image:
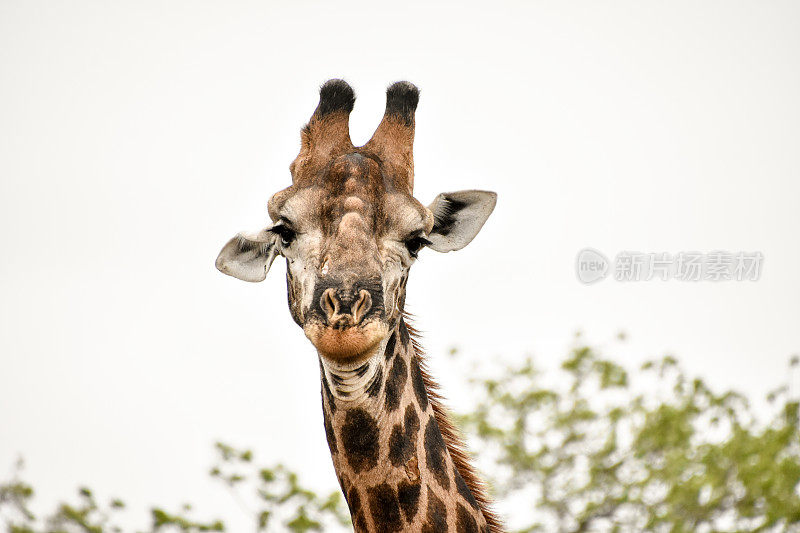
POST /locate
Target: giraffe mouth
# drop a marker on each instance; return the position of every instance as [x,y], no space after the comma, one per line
[349,343]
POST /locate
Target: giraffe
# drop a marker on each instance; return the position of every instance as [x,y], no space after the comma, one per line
[350,228]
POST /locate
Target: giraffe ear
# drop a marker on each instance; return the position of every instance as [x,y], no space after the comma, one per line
[458,217]
[248,256]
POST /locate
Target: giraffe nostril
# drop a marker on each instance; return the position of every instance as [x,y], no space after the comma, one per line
[362,306]
[329,302]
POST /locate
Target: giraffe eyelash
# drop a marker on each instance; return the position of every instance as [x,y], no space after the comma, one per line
[286,234]
[415,244]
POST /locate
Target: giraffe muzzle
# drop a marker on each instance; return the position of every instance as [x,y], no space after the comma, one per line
[341,313]
[346,320]
[340,305]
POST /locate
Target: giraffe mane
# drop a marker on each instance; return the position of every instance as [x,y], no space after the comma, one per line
[451,435]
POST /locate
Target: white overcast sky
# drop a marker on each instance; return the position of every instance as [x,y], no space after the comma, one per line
[137,137]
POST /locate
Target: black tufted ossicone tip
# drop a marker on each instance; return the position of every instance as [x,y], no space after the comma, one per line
[402,98]
[335,95]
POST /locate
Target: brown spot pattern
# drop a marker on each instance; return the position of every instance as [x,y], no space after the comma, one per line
[385,508]
[437,515]
[360,440]
[408,497]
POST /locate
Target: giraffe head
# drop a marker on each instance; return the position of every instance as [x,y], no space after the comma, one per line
[350,227]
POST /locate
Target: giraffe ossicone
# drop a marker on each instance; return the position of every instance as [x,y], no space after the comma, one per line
[350,228]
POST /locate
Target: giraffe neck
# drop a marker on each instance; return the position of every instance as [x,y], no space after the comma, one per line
[395,470]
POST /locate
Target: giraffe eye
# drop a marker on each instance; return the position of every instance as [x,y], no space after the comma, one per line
[415,244]
[286,234]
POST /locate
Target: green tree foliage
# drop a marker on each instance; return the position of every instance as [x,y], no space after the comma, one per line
[272,496]
[591,447]
[597,448]
[279,501]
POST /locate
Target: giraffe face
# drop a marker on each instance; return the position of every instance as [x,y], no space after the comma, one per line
[349,242]
[350,229]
